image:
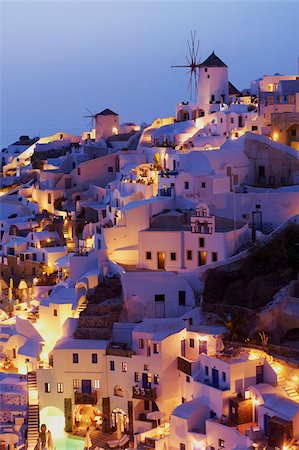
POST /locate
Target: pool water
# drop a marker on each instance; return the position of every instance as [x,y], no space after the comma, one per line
[68,444]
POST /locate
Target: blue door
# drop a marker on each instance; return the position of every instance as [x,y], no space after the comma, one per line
[86,386]
[215,378]
[266,423]
[145,383]
[259,374]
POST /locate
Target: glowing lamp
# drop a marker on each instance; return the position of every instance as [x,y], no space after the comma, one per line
[275,136]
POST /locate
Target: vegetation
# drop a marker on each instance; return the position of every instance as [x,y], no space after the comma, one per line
[254,281]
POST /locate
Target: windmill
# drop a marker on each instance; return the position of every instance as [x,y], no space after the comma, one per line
[94,123]
[193,64]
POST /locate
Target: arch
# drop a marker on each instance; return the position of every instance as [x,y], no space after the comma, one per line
[22,285]
[54,420]
[183,115]
[117,415]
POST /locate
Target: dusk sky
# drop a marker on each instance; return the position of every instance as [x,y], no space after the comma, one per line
[59,57]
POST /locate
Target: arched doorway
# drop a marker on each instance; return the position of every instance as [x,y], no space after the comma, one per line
[183,115]
[119,416]
[54,420]
[85,416]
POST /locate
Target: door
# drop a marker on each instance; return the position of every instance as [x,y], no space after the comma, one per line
[146,384]
[215,378]
[183,348]
[203,347]
[86,386]
[161,260]
[202,258]
[266,424]
[259,374]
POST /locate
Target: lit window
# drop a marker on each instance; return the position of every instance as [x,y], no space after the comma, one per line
[48,388]
[156,348]
[94,358]
[76,384]
[96,384]
[75,358]
[59,388]
[112,365]
[124,367]
[247,395]
[141,343]
[137,377]
[191,343]
[156,378]
[146,367]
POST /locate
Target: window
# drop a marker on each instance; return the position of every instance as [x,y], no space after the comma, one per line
[141,343]
[254,128]
[184,400]
[172,256]
[159,298]
[208,76]
[233,410]
[75,358]
[156,348]
[148,255]
[59,388]
[49,199]
[186,185]
[112,365]
[156,378]
[191,343]
[146,405]
[201,242]
[214,256]
[55,312]
[221,443]
[94,358]
[212,98]
[47,388]
[137,377]
[206,69]
[293,132]
[146,367]
[187,379]
[221,120]
[79,171]
[110,169]
[182,446]
[189,255]
[96,384]
[76,384]
[182,298]
[124,367]
[232,120]
[224,376]
[203,184]
[206,370]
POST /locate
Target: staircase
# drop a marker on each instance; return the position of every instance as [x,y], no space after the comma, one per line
[81,308]
[70,243]
[288,386]
[33,411]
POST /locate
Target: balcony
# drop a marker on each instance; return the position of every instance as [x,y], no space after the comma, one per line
[165,192]
[119,349]
[184,366]
[86,399]
[144,393]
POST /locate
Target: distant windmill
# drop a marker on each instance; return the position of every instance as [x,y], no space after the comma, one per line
[193,64]
[94,122]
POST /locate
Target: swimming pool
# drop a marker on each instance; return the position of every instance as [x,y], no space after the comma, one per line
[68,444]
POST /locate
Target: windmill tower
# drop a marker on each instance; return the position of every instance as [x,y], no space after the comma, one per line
[208,80]
[105,123]
[92,125]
